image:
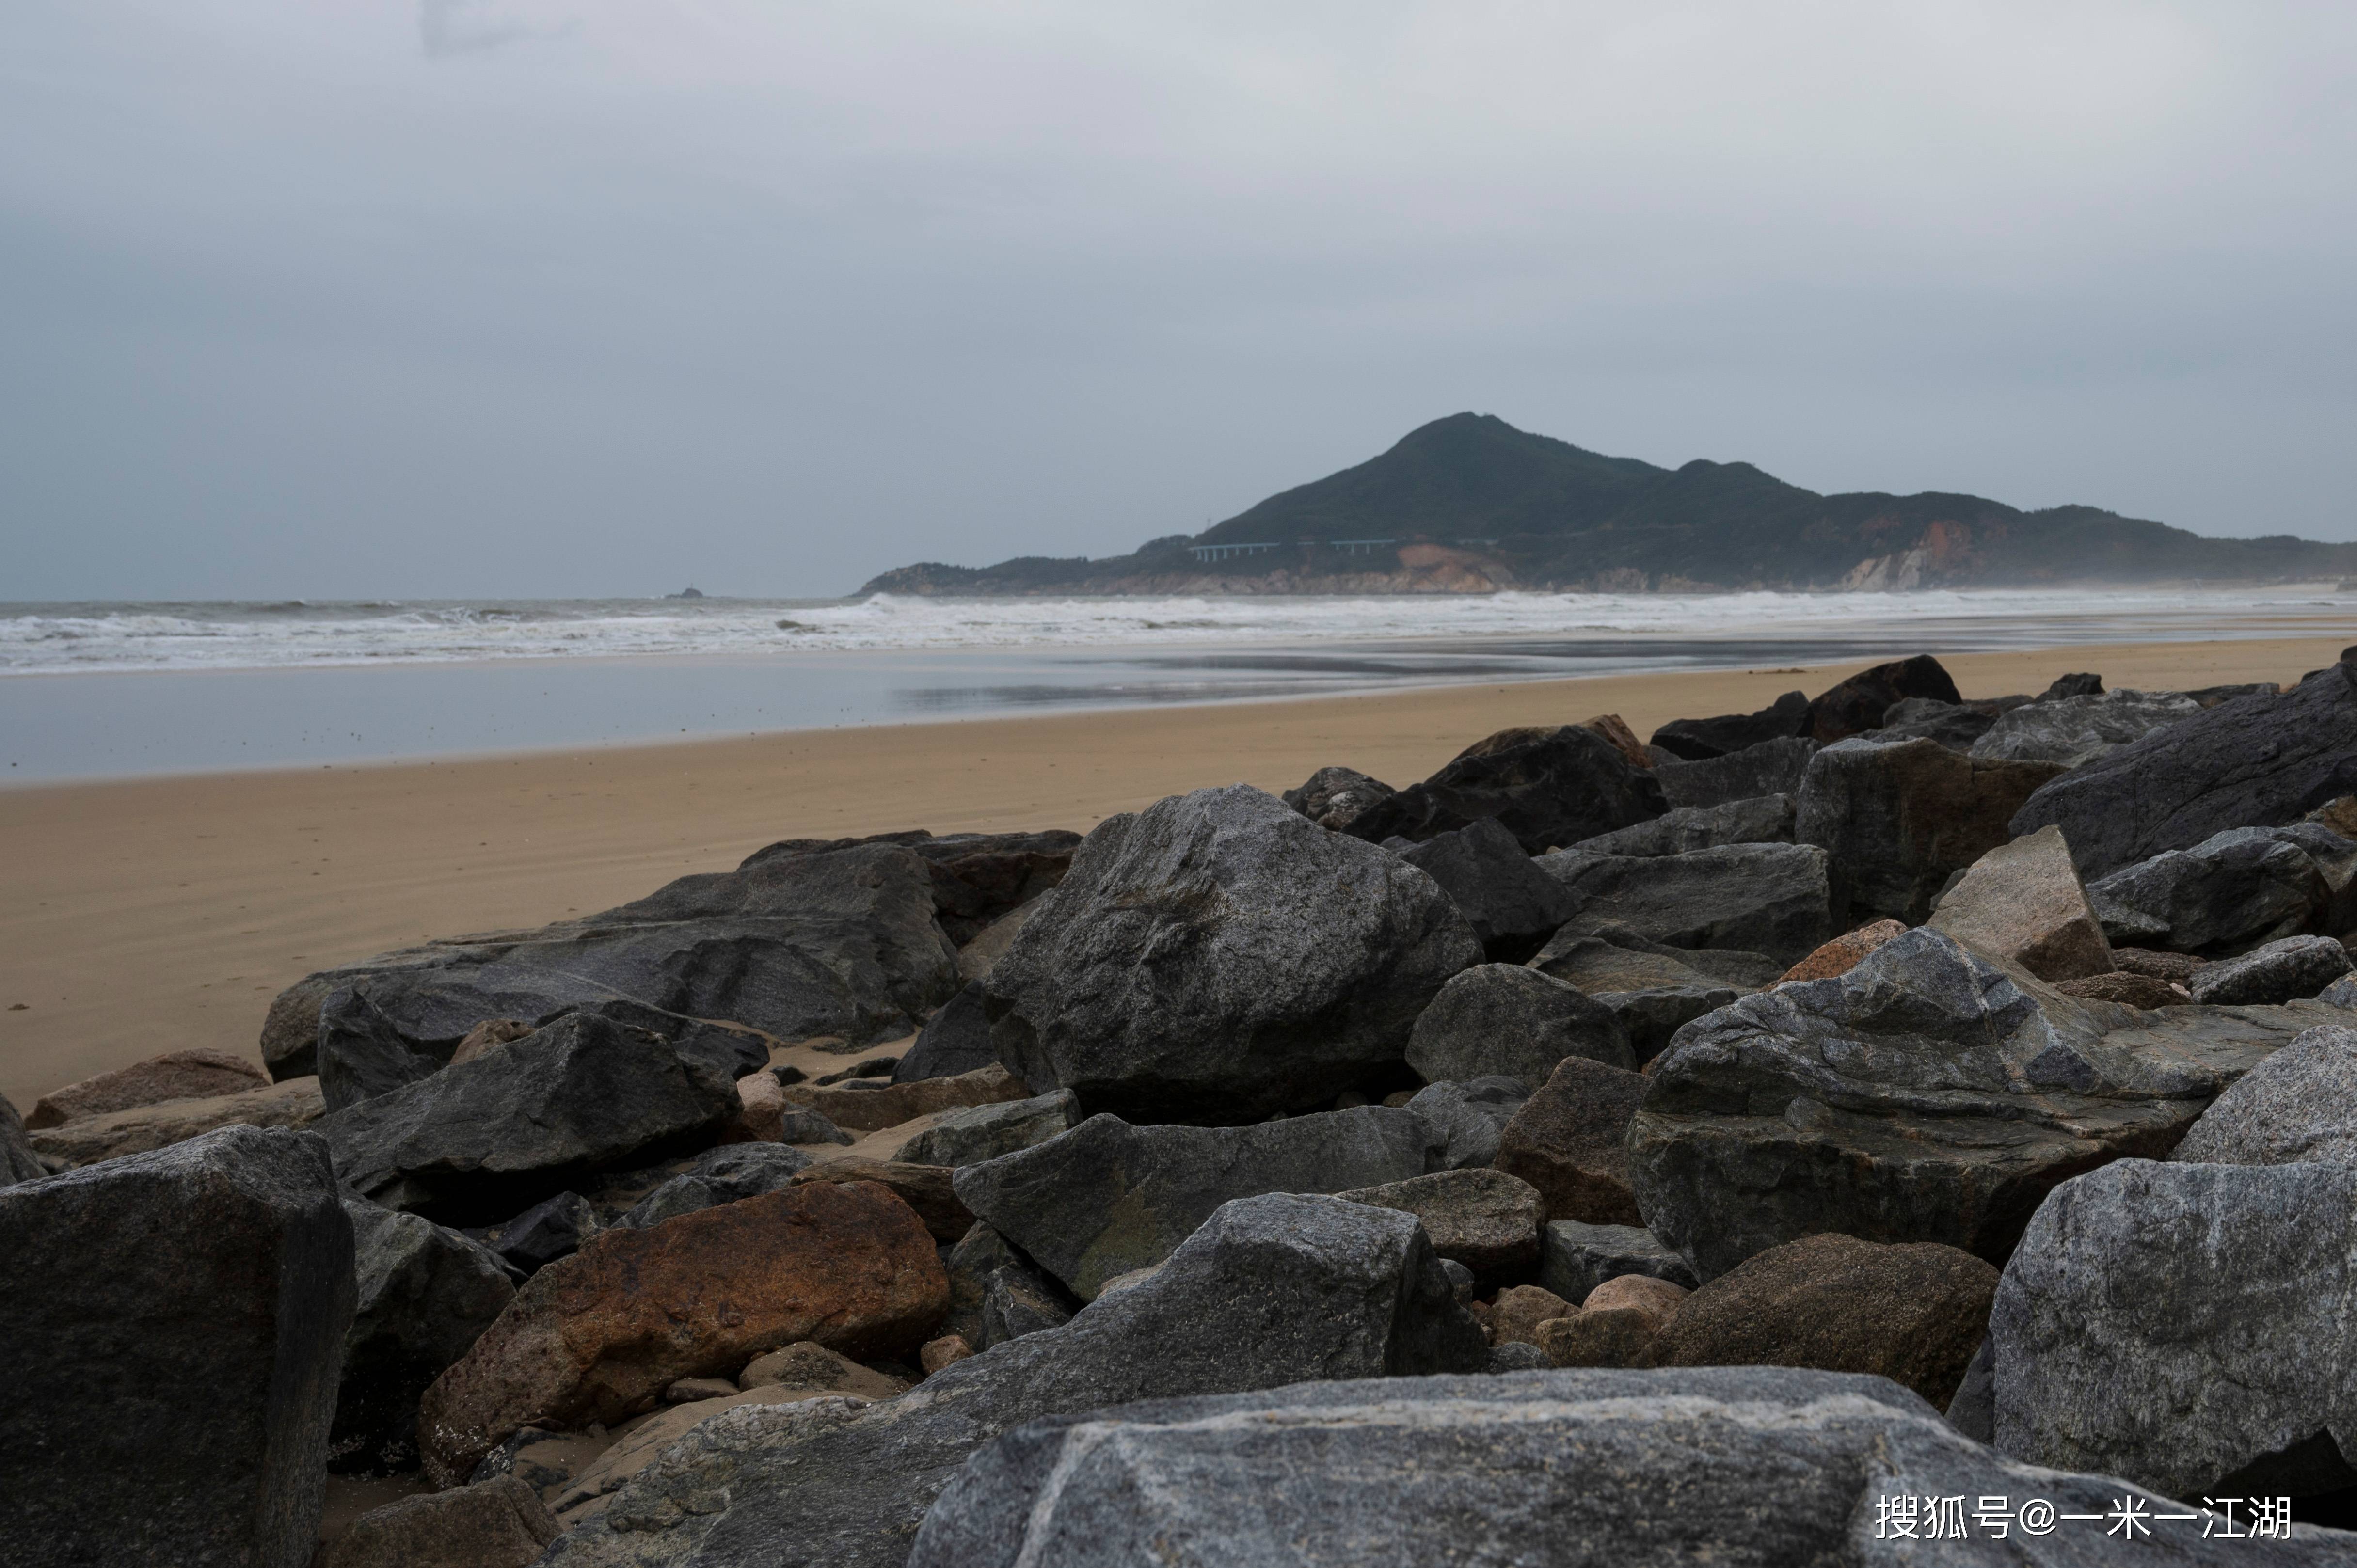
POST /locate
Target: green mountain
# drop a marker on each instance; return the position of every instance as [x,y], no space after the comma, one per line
[1468,503]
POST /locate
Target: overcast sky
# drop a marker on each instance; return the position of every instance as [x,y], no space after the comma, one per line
[497,297]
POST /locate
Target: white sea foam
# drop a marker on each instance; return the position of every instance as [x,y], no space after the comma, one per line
[65,638]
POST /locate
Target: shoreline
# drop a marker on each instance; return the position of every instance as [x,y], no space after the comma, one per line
[158,912]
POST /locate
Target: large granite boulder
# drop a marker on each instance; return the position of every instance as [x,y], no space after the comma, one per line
[1512,905]
[423,1295]
[1470,1117]
[2260,760]
[1697,740]
[954,1040]
[1913,1312]
[841,942]
[1770,767]
[2300,1104]
[1546,786]
[2232,891]
[600,1334]
[1766,820]
[1569,1141]
[1334,797]
[2284,971]
[197,1074]
[2023,902]
[1269,1292]
[1504,1020]
[170,1336]
[479,1141]
[1487,1220]
[1641,1470]
[1770,898]
[1929,1094]
[1107,1198]
[1900,818]
[1216,956]
[2184,1325]
[1857,705]
[2077,730]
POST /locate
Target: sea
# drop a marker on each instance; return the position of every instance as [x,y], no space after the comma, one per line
[106,690]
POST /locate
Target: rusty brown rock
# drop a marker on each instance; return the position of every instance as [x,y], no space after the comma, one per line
[760,1111]
[1844,952]
[948,1350]
[1614,729]
[1615,1324]
[598,1336]
[2179,967]
[925,1188]
[872,1110]
[176,1074]
[2131,990]
[1570,1141]
[488,1033]
[1514,1318]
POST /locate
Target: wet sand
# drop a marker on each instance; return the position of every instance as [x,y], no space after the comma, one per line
[159,913]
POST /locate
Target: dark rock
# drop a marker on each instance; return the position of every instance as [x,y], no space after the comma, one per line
[997,1293]
[1216,956]
[2300,1104]
[2076,730]
[2023,903]
[1487,1220]
[2256,761]
[2179,1326]
[1697,740]
[2160,965]
[1914,1313]
[363,1054]
[1570,1143]
[877,1070]
[2210,697]
[1929,1094]
[500,1524]
[975,878]
[1575,1257]
[423,1295]
[1772,898]
[2231,891]
[551,1229]
[1546,786]
[1013,1305]
[2283,971]
[805,1124]
[1652,989]
[1658,1469]
[1107,1198]
[17,1161]
[1334,797]
[1503,1020]
[1515,1356]
[1469,1116]
[1771,767]
[1270,1291]
[979,1133]
[1767,819]
[477,1141]
[170,1337]
[2085,684]
[1857,705]
[2128,990]
[1956,725]
[839,943]
[1900,819]
[1512,905]
[726,1174]
[954,1040]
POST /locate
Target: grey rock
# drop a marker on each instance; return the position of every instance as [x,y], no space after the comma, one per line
[1334,797]
[1546,786]
[2023,902]
[1216,956]
[954,1040]
[2182,1326]
[1503,1020]
[975,879]
[17,1161]
[363,1054]
[1107,1198]
[2231,891]
[977,957]
[797,945]
[2299,1104]
[1271,1291]
[1469,1116]
[1575,1257]
[1515,1355]
[1460,1279]
[1697,740]
[1512,905]
[170,1337]
[423,1295]
[1770,898]
[984,1265]
[973,1134]
[1974,1409]
[1014,1305]
[1648,1469]
[501,1523]
[1956,726]
[1770,767]
[2282,971]
[526,1120]
[551,1229]
[1683,829]
[2340,994]
[2076,730]
[1487,1220]
[1900,818]
[2256,761]
[807,1124]
[1927,1094]
[724,1175]
[1651,988]
[2080,683]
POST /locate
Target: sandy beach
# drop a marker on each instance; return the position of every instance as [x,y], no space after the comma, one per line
[154,914]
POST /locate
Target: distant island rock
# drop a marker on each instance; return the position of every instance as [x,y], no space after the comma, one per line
[1469,504]
[686,594]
